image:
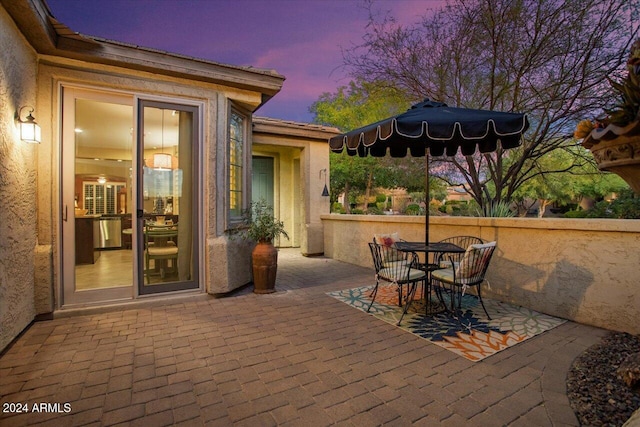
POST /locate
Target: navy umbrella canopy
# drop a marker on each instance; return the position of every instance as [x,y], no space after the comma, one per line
[437,127]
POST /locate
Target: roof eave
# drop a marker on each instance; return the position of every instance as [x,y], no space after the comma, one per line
[158,62]
[265,125]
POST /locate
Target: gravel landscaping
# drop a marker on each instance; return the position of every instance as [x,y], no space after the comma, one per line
[598,395]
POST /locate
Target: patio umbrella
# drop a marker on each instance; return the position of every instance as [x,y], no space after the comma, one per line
[441,129]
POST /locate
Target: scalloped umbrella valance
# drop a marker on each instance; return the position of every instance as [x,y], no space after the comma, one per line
[437,127]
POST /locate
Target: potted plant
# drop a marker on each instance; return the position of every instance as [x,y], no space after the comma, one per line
[261,226]
[614,140]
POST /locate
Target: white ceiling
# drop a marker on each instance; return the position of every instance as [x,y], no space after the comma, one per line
[110,126]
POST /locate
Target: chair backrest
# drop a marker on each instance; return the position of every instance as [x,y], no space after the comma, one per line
[474,263]
[376,256]
[393,265]
[463,241]
[444,259]
[151,232]
[386,239]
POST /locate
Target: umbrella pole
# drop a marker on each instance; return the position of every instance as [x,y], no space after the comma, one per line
[426,197]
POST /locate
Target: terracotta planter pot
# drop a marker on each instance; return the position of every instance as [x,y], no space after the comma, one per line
[617,149]
[265,266]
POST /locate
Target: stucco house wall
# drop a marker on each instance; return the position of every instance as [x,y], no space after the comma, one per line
[218,249]
[299,199]
[18,172]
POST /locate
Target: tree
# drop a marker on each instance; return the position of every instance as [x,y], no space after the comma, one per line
[548,58]
[358,104]
[564,188]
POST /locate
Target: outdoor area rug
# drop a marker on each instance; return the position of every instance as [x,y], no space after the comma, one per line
[471,335]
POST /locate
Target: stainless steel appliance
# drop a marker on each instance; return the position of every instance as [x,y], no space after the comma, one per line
[109,232]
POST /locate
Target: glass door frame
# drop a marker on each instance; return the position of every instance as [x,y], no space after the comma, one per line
[69,296]
[194,283]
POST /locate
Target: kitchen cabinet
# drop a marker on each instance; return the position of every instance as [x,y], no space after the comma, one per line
[126,231]
[86,229]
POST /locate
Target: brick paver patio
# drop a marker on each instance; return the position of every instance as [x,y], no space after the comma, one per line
[297,357]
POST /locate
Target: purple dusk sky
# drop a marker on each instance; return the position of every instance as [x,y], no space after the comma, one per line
[300,39]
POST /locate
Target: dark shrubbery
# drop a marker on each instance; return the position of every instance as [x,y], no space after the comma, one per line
[412,209]
[374,210]
[337,208]
[626,206]
[458,208]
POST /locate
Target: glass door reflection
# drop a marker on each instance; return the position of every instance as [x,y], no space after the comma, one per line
[166,223]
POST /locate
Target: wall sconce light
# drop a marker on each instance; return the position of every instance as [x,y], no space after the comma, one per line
[29,130]
[325,191]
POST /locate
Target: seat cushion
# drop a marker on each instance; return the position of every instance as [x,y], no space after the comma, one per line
[392,263]
[443,275]
[162,250]
[168,243]
[402,274]
[447,264]
[446,275]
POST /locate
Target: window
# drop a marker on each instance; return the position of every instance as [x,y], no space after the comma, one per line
[237,142]
[100,199]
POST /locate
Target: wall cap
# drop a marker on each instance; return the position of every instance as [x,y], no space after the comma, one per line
[584,224]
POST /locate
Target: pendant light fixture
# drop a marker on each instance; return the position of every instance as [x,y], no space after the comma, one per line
[162,161]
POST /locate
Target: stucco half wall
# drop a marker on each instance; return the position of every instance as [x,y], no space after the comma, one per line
[578,269]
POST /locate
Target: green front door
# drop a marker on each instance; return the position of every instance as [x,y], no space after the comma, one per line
[262,179]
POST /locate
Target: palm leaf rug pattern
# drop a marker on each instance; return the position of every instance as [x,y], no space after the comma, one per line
[470,335]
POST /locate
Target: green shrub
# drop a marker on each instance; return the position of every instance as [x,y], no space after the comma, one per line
[381,198]
[357,211]
[458,208]
[500,209]
[412,209]
[374,211]
[576,214]
[337,208]
[621,208]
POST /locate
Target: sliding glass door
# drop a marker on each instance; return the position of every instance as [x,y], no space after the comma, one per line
[167,197]
[97,197]
[128,198]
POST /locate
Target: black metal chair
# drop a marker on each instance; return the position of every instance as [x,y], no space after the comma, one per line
[396,267]
[461,241]
[388,240]
[468,272]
